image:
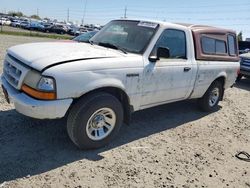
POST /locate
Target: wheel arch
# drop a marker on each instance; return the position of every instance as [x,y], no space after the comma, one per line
[117,92]
[221,78]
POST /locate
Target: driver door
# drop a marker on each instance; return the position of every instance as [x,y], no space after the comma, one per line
[168,79]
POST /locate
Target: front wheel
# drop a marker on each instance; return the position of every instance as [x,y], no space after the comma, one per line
[95,120]
[211,98]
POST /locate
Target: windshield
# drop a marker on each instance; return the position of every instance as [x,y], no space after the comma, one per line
[130,36]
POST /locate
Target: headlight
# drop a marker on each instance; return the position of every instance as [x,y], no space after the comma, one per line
[46,84]
[39,87]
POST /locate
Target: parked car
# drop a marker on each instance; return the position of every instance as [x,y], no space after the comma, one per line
[85,36]
[73,31]
[129,65]
[244,66]
[35,26]
[47,25]
[5,21]
[59,29]
[244,47]
[24,24]
[15,23]
[79,31]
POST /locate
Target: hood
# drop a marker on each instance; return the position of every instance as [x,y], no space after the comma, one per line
[41,55]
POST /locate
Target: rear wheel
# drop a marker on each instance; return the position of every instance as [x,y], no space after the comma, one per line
[95,120]
[211,98]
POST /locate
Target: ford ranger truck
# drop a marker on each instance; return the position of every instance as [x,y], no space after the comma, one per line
[128,66]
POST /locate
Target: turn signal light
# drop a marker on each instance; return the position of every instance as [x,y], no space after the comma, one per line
[38,94]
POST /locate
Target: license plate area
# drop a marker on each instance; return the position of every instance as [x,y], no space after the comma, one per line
[6,95]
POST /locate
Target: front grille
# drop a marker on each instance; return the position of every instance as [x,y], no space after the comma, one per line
[14,72]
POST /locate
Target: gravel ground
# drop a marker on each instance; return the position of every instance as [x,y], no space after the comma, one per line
[173,145]
[7,41]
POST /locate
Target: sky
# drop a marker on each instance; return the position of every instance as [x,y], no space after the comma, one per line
[222,13]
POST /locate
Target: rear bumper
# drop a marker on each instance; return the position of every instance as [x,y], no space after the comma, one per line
[36,108]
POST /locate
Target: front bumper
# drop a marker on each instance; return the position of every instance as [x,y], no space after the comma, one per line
[36,108]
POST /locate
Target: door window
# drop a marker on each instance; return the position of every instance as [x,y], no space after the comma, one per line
[175,41]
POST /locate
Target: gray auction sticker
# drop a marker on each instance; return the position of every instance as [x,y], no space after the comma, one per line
[147,24]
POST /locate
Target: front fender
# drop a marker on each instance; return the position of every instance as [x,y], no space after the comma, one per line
[76,84]
[101,83]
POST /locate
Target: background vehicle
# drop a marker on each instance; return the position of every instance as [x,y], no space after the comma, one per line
[128,66]
[244,47]
[244,66]
[5,21]
[24,24]
[73,30]
[35,26]
[59,29]
[15,23]
[85,36]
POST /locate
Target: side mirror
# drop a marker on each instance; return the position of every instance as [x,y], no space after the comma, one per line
[153,58]
[161,53]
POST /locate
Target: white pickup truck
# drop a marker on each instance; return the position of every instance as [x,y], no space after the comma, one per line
[128,66]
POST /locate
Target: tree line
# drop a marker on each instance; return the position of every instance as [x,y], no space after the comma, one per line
[20,14]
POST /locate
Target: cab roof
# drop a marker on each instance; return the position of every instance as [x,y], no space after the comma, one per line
[196,28]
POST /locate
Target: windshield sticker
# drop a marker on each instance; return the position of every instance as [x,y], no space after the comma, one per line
[148,24]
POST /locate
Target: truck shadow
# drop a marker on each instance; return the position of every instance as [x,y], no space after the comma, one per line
[31,147]
[243,84]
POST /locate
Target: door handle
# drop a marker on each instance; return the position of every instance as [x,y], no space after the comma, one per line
[186,69]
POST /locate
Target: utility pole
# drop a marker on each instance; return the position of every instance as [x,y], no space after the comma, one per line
[37,12]
[68,15]
[125,12]
[84,12]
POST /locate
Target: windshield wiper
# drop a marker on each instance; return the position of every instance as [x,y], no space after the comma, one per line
[109,45]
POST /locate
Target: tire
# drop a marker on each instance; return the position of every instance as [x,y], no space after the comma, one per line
[86,124]
[209,101]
